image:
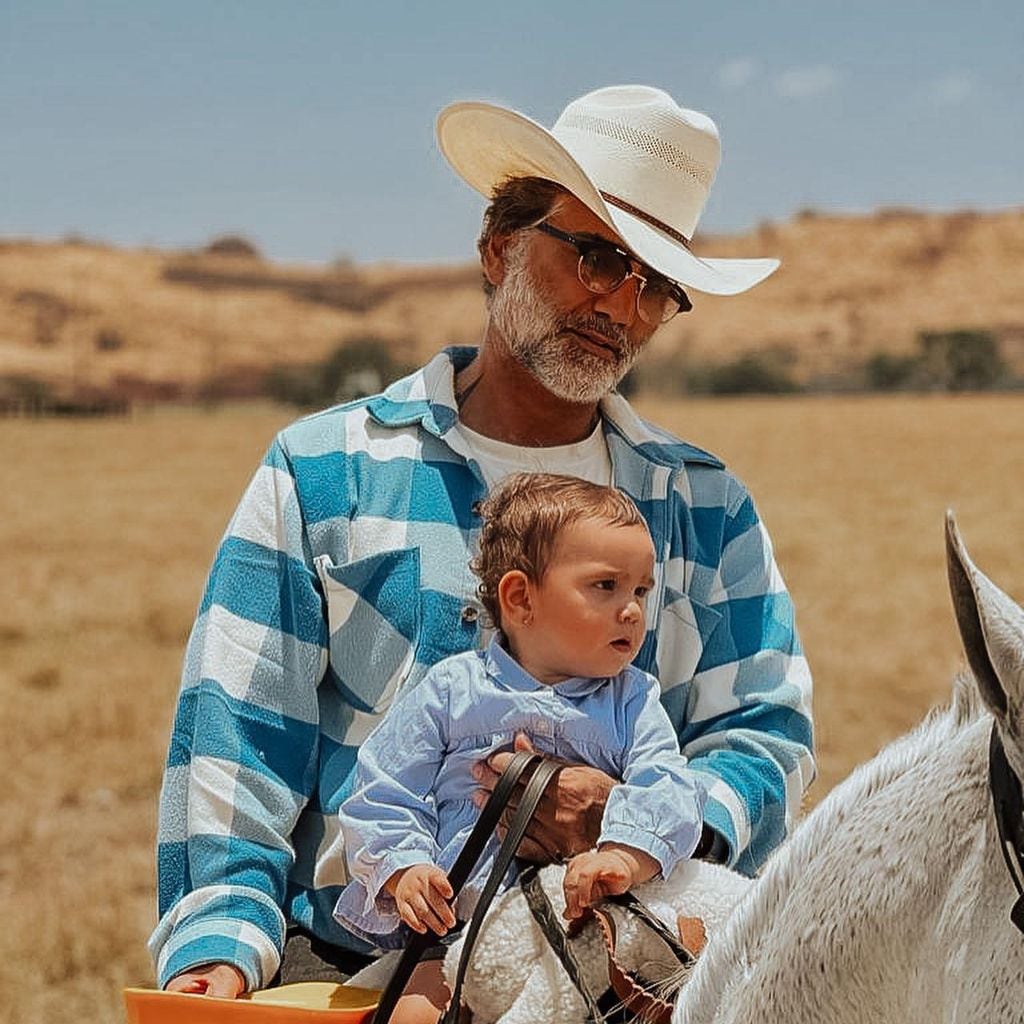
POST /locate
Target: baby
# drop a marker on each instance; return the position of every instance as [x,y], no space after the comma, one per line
[565,566]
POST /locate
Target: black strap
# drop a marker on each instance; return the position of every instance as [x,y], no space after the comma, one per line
[1008,804]
[547,920]
[532,794]
[461,869]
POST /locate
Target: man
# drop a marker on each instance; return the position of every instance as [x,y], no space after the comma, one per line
[344,573]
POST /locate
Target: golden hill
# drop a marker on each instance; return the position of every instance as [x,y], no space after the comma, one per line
[83,316]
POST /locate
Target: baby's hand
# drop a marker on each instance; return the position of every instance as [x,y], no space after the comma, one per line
[597,873]
[421,893]
[220,980]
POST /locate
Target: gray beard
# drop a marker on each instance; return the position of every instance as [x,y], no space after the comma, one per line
[536,335]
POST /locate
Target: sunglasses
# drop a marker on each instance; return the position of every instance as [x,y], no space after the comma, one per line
[603,267]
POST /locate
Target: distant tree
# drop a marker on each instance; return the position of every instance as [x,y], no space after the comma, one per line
[232,245]
[50,312]
[887,372]
[24,388]
[752,373]
[359,367]
[109,339]
[963,360]
[294,385]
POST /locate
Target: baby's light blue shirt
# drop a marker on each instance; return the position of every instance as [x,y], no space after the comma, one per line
[412,798]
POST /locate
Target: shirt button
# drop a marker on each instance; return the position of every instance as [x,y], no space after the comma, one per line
[470,614]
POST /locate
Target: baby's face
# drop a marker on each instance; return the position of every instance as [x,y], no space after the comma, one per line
[588,609]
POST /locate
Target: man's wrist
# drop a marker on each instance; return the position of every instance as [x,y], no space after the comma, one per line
[594,818]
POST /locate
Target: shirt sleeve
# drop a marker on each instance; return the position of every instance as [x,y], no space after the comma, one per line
[747,730]
[242,759]
[390,820]
[658,806]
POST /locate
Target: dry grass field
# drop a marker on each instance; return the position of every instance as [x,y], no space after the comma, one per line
[108,528]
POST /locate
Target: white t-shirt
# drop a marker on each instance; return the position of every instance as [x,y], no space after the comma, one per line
[588,459]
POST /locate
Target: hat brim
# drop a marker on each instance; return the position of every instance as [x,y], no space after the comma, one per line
[487,144]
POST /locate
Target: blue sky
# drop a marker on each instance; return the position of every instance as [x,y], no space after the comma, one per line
[308,126]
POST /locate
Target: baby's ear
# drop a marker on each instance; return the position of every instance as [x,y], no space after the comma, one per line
[515,599]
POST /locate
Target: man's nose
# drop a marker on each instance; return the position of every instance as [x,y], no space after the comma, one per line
[619,305]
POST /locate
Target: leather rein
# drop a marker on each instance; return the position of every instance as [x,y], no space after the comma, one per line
[1008,804]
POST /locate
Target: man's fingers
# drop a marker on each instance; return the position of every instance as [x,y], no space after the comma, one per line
[226,983]
[219,980]
[189,984]
[522,742]
[485,775]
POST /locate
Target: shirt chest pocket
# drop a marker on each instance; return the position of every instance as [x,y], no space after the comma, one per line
[373,613]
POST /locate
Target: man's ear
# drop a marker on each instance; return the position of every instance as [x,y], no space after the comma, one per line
[492,258]
[515,599]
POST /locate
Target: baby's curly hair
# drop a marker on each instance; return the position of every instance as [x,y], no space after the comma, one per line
[523,518]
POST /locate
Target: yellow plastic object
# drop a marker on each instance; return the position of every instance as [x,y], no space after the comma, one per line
[302,1003]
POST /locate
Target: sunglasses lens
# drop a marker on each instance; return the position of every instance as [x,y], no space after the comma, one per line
[603,269]
[660,300]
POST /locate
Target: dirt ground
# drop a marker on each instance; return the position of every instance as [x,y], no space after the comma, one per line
[108,529]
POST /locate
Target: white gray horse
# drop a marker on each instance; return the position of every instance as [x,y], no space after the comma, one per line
[892,900]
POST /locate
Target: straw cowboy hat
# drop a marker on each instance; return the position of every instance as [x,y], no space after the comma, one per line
[641,162]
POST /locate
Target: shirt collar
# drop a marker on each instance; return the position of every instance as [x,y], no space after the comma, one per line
[427,397]
[508,673]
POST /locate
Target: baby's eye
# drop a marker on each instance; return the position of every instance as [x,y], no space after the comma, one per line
[605,584]
[641,592]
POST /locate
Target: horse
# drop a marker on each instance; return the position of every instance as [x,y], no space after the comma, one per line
[901,896]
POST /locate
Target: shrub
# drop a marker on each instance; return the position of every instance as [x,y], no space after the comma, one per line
[232,245]
[18,387]
[887,372]
[109,339]
[294,385]
[51,312]
[751,373]
[961,360]
[358,368]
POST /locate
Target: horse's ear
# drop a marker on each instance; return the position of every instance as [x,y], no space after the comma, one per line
[991,627]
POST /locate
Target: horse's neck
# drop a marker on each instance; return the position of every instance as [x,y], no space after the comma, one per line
[905,807]
[860,890]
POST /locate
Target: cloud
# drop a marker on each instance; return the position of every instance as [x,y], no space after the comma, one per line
[735,74]
[806,82]
[952,88]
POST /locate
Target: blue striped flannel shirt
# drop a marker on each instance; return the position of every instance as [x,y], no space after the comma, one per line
[343,576]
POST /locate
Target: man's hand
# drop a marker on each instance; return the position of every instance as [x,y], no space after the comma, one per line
[611,869]
[421,893]
[568,817]
[223,981]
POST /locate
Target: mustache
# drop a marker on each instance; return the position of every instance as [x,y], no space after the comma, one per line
[596,325]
